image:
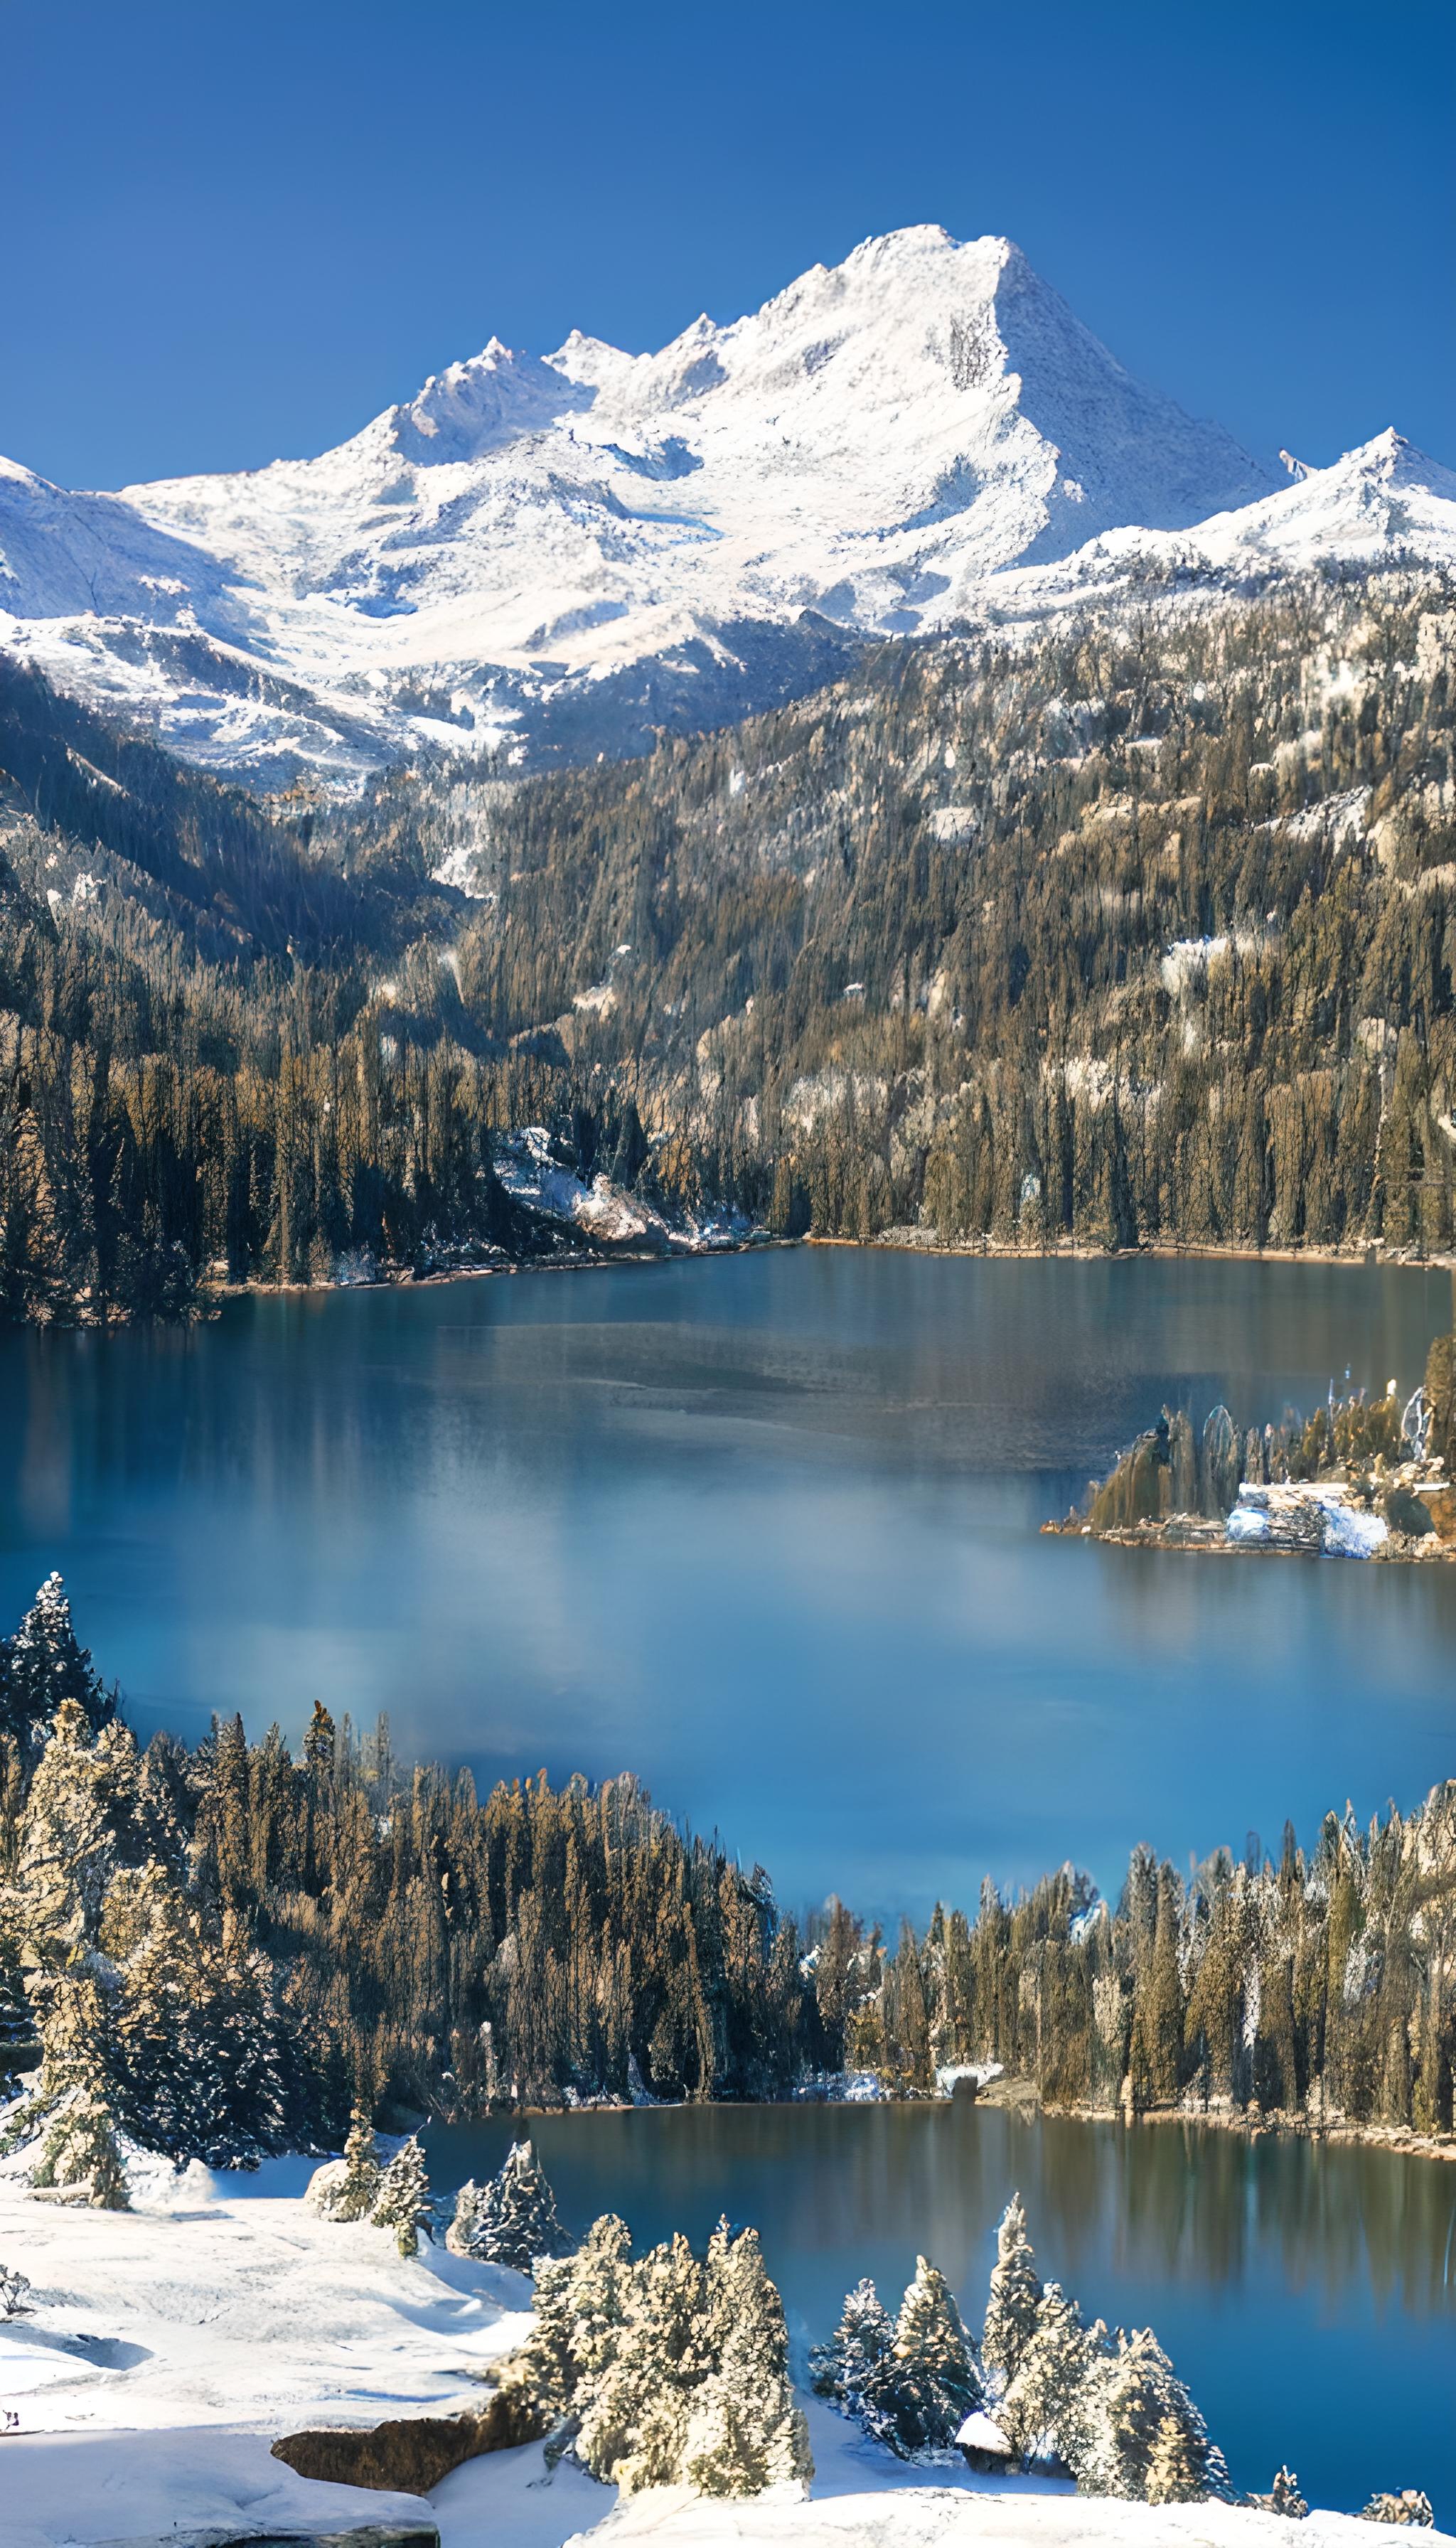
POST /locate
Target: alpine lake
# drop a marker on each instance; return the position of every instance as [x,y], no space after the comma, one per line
[764,1530]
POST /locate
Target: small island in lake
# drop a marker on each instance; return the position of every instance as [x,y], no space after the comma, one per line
[1359,1478]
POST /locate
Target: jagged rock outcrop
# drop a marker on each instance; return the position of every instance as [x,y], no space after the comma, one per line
[409,2454]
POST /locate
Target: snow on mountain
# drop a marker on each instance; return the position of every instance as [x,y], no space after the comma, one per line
[555,555]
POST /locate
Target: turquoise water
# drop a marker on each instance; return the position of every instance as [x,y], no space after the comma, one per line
[1304,2294]
[763,1529]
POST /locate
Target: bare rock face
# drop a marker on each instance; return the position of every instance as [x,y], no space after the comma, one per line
[412,2453]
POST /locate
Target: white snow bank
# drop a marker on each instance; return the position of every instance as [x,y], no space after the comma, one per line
[211,2303]
[1321,1517]
[188,2489]
[935,2518]
[982,2072]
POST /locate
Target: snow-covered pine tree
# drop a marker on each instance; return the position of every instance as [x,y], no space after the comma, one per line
[1285,2496]
[919,2394]
[81,2161]
[1140,2395]
[402,2201]
[515,2216]
[1175,2473]
[864,2336]
[347,2188]
[580,2310]
[41,1666]
[745,2433]
[363,2176]
[1016,2291]
[74,2098]
[634,2412]
[1046,2404]
[465,2219]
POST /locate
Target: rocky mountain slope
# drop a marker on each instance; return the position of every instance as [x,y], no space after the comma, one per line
[546,559]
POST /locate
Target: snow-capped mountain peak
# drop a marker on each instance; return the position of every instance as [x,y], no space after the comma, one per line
[561,552]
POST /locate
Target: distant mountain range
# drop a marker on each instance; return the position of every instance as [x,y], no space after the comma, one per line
[549,559]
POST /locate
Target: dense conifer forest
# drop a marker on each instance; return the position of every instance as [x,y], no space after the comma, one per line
[1138,933]
[223,1949]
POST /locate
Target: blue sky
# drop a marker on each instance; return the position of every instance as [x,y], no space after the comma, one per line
[239,228]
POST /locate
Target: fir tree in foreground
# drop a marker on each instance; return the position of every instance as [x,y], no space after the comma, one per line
[668,2371]
[842,2369]
[1110,2413]
[919,2393]
[1015,2295]
[512,2221]
[403,2201]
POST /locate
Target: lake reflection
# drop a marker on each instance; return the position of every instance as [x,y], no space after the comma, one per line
[763,1529]
[1304,2294]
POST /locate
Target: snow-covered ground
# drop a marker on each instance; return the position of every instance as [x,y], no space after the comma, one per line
[580,547]
[167,2347]
[924,2516]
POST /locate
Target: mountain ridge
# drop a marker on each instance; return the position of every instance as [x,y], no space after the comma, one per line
[542,557]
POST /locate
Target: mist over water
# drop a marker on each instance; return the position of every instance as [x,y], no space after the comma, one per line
[763,1529]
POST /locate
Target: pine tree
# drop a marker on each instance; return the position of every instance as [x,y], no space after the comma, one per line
[43,1665]
[1175,2473]
[465,2219]
[1284,2497]
[81,2161]
[634,2412]
[864,2336]
[349,2188]
[363,2176]
[580,2309]
[919,2396]
[513,2216]
[1046,2404]
[403,2201]
[1015,2295]
[1141,2397]
[745,2433]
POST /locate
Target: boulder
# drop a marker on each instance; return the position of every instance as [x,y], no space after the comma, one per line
[412,2453]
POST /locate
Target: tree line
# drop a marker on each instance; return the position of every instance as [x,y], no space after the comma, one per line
[1140,932]
[226,1948]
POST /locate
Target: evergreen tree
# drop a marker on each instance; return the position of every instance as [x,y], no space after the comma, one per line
[1284,2497]
[1015,2295]
[512,2219]
[363,2176]
[43,1665]
[1046,2405]
[1142,2398]
[746,2431]
[920,2394]
[403,2203]
[841,2369]
[634,2412]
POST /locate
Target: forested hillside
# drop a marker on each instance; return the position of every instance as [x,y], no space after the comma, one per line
[1142,932]
[222,1948]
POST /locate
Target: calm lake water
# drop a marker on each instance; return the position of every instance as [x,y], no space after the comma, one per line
[764,1530]
[1305,2295]
[761,1528]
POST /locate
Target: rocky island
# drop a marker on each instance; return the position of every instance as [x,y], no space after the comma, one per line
[1362,1477]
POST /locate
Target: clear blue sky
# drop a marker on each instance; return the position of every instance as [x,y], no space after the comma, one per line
[239,227]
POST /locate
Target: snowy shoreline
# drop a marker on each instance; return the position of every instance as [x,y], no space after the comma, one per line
[168,2346]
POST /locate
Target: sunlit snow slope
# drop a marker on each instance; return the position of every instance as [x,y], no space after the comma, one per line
[556,555]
